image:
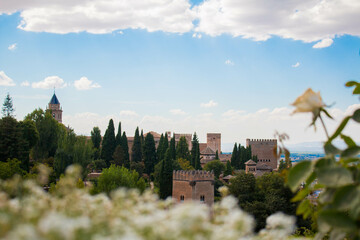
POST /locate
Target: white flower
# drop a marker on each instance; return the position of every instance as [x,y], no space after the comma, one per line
[309,101]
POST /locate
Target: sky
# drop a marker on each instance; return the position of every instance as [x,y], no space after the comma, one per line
[225,66]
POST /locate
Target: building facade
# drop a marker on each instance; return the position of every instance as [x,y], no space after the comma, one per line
[193,186]
[264,150]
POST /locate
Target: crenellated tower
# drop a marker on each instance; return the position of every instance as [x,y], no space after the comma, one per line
[193,185]
[264,150]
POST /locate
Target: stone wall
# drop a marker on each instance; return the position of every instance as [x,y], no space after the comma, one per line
[264,150]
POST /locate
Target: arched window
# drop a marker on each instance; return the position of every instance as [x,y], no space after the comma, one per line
[182,198]
[202,198]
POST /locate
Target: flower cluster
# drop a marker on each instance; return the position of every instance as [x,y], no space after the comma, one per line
[28,212]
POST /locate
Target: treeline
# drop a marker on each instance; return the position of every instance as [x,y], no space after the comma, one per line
[39,138]
[157,164]
[241,155]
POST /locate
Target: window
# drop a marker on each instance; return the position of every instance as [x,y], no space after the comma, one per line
[202,198]
[182,198]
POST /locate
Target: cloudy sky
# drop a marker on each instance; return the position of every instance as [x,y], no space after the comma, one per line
[229,66]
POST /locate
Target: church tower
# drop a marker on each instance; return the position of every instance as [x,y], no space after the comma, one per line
[54,107]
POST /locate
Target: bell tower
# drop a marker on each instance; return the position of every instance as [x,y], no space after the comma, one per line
[54,107]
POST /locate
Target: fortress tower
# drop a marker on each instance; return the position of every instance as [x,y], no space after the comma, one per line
[193,185]
[214,141]
[54,107]
[264,150]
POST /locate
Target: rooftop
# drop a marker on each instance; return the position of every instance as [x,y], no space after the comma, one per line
[54,100]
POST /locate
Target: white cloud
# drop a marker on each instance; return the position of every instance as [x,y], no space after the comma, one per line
[306,20]
[25,84]
[128,113]
[296,65]
[229,62]
[197,35]
[120,32]
[324,43]
[177,112]
[50,82]
[5,80]
[209,104]
[99,16]
[85,84]
[12,47]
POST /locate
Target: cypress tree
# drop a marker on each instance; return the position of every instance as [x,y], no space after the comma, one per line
[136,154]
[217,155]
[149,153]
[109,143]
[228,169]
[125,147]
[166,176]
[96,140]
[142,139]
[195,153]
[118,135]
[172,148]
[234,156]
[159,151]
[182,149]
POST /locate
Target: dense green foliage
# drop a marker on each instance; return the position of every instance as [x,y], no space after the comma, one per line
[72,149]
[228,169]
[119,156]
[182,149]
[195,153]
[263,196]
[10,168]
[108,143]
[150,157]
[240,156]
[115,176]
[216,166]
[118,135]
[136,151]
[165,183]
[125,147]
[96,141]
[50,131]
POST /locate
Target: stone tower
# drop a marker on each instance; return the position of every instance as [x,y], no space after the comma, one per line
[214,141]
[193,185]
[264,150]
[56,110]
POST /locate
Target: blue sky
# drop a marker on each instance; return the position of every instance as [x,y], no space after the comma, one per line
[190,66]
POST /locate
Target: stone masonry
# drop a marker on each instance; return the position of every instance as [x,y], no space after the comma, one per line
[264,150]
[193,185]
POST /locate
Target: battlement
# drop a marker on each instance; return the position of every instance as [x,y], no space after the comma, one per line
[194,175]
[274,141]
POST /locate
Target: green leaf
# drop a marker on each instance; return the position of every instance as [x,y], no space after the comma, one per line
[351,152]
[324,162]
[356,116]
[327,114]
[327,195]
[331,149]
[348,140]
[347,197]
[298,174]
[304,208]
[357,90]
[351,83]
[339,129]
[303,193]
[336,220]
[311,178]
[334,176]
